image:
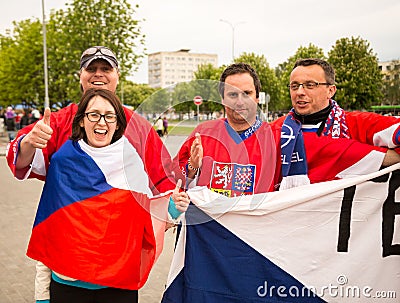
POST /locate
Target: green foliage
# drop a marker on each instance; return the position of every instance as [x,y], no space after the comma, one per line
[206,85]
[159,102]
[268,79]
[135,94]
[209,72]
[284,70]
[112,23]
[183,94]
[69,32]
[358,78]
[20,75]
[182,97]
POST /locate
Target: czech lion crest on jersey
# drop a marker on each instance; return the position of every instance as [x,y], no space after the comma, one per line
[231,179]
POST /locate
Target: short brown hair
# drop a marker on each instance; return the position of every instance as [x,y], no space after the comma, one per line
[78,132]
[239,68]
[328,69]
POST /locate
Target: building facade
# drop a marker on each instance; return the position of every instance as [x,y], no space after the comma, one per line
[168,68]
[390,70]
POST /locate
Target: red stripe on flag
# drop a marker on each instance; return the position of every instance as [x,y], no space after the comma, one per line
[107,240]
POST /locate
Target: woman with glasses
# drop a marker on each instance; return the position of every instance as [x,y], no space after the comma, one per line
[93,224]
[30,152]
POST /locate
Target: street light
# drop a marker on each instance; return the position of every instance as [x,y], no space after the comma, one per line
[46,82]
[233,34]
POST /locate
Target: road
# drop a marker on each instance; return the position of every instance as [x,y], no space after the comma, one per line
[18,202]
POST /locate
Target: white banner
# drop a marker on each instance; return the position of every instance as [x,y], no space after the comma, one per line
[339,239]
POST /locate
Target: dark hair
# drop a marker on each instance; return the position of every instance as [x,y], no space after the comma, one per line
[78,132]
[328,69]
[239,68]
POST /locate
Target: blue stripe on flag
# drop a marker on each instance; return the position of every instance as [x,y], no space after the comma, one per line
[73,176]
[220,267]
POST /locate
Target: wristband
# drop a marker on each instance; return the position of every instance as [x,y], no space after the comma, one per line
[191,167]
[172,209]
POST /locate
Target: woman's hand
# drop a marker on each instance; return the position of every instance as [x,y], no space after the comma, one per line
[180,198]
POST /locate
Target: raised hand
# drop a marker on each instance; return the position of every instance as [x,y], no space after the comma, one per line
[196,152]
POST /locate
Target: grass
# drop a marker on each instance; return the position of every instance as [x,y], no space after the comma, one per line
[180,130]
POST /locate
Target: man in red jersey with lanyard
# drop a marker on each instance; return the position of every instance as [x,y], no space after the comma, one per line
[315,117]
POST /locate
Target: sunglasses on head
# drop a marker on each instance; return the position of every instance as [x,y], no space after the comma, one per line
[98,49]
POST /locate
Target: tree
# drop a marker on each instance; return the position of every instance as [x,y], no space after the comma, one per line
[208,72]
[358,78]
[183,93]
[88,23]
[21,64]
[268,79]
[135,94]
[157,103]
[284,70]
[182,97]
[206,85]
[69,32]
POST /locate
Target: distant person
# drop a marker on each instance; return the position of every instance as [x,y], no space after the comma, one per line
[159,127]
[24,119]
[10,123]
[2,125]
[165,125]
[35,115]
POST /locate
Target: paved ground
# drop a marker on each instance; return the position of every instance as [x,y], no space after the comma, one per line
[3,144]
[18,202]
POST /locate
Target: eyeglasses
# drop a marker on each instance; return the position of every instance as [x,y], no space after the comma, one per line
[307,85]
[96,117]
[98,49]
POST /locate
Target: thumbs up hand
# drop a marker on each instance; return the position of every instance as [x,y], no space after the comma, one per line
[46,116]
[181,199]
[41,132]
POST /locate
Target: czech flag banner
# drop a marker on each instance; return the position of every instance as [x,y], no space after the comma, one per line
[337,241]
[95,221]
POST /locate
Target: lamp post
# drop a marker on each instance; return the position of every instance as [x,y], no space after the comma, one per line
[233,26]
[46,82]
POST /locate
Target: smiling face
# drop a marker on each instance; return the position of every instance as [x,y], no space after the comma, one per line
[99,134]
[309,101]
[99,74]
[240,101]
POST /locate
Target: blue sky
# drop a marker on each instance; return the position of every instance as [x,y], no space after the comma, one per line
[274,29]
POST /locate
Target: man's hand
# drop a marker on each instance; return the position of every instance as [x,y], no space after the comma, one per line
[41,132]
[196,152]
[391,157]
[38,137]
